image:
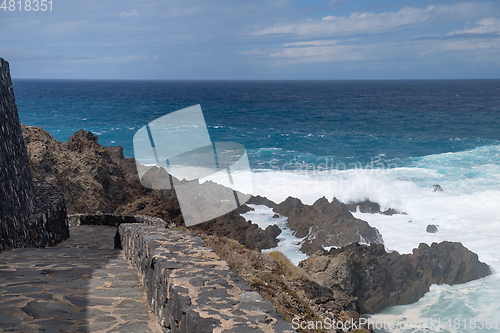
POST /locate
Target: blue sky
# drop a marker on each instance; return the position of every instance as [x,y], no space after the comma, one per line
[274,39]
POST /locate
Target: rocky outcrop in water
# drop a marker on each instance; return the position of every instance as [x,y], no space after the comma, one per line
[380,279]
[325,224]
[432,229]
[371,207]
[258,200]
[437,188]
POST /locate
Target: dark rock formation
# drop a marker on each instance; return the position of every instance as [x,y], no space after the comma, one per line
[258,200]
[380,279]
[234,226]
[325,224]
[431,228]
[368,206]
[437,188]
[96,179]
[93,179]
[31,214]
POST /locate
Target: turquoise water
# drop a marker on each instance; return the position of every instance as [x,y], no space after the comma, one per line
[386,141]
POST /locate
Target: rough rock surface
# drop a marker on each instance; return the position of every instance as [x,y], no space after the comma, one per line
[380,279]
[437,188]
[368,206]
[31,213]
[247,234]
[325,224]
[92,178]
[16,186]
[432,229]
[97,179]
[258,200]
[190,289]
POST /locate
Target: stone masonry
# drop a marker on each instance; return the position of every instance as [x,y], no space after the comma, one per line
[16,185]
[32,214]
[190,289]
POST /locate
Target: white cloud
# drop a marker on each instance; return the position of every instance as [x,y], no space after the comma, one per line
[484,26]
[312,43]
[251,52]
[355,23]
[468,45]
[111,59]
[321,51]
[463,9]
[129,14]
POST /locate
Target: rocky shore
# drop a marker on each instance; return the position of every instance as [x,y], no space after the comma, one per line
[98,179]
[346,282]
[379,279]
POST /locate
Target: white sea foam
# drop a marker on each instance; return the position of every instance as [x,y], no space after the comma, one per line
[288,244]
[467,211]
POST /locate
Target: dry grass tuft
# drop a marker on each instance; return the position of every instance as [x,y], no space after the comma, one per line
[270,274]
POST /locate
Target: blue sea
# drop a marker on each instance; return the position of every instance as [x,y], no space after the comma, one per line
[386,141]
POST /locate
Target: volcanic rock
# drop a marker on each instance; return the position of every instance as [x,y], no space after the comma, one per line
[258,200]
[98,179]
[437,188]
[325,224]
[368,206]
[432,229]
[380,279]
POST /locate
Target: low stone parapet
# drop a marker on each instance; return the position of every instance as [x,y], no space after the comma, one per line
[114,220]
[190,289]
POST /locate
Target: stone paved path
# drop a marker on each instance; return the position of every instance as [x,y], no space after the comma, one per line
[82,285]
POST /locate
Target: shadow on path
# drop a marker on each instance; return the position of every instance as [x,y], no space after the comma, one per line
[82,285]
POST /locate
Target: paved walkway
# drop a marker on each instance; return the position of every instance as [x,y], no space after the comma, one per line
[82,285]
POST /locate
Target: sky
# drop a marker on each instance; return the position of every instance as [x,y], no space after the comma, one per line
[253,40]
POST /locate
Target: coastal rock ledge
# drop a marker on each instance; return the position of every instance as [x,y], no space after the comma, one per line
[380,279]
[325,224]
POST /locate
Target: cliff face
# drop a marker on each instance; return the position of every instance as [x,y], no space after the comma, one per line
[97,179]
[16,185]
[380,279]
[32,213]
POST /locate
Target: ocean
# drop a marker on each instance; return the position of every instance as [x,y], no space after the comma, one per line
[386,141]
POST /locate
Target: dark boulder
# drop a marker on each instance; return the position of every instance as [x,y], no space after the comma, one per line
[368,206]
[432,229]
[437,188]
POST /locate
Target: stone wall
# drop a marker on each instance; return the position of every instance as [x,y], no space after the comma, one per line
[16,186]
[189,288]
[31,213]
[114,219]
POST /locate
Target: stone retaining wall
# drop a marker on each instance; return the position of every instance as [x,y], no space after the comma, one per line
[114,220]
[189,288]
[32,213]
[48,225]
